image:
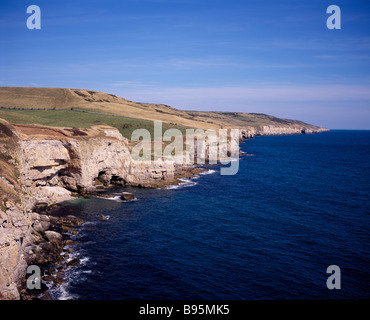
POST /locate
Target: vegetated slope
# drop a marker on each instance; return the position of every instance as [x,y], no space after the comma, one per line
[9,184]
[82,120]
[94,101]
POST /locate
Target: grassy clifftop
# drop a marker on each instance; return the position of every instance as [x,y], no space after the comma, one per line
[104,103]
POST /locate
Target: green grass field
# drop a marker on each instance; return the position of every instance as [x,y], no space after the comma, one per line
[70,118]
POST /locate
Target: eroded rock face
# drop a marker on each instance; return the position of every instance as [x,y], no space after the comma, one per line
[51,164]
[79,164]
[14,234]
[15,220]
[274,130]
[250,132]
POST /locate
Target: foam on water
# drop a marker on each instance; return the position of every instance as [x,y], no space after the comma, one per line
[117,199]
[189,182]
[184,184]
[72,276]
[208,172]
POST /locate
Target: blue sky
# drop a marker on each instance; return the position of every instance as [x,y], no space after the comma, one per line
[274,57]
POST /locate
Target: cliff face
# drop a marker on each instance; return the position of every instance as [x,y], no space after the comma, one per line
[15,222]
[82,160]
[250,132]
[46,165]
[15,234]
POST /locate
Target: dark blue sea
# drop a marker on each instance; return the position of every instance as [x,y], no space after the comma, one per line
[298,204]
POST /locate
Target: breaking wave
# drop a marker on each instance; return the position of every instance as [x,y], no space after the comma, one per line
[117,199]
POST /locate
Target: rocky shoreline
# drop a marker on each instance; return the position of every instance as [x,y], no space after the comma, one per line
[51,251]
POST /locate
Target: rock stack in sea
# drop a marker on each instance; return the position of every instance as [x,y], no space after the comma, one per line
[127,196]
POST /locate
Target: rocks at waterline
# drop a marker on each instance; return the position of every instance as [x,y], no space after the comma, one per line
[51,252]
[127,196]
[53,236]
[74,262]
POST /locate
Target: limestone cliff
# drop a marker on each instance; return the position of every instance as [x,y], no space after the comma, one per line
[79,160]
[48,165]
[15,222]
[252,131]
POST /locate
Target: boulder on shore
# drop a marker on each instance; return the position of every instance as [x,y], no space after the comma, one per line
[53,236]
[127,196]
[74,262]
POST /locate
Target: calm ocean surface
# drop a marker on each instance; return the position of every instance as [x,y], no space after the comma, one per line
[298,204]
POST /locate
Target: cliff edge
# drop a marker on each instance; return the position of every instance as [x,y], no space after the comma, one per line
[42,165]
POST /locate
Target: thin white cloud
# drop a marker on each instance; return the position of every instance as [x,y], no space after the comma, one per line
[349,44]
[131,84]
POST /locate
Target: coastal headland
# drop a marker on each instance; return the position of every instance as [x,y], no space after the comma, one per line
[59,144]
